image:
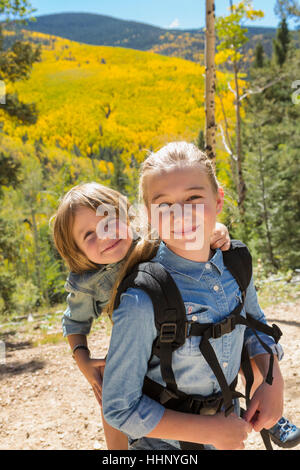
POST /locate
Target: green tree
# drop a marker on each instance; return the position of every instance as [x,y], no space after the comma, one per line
[16,60]
[232,36]
[271,142]
[281,43]
[259,58]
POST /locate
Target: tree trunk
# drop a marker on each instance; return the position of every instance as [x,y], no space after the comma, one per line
[265,210]
[210,81]
[241,182]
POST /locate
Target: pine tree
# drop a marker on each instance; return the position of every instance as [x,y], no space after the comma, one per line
[259,58]
[281,43]
[272,162]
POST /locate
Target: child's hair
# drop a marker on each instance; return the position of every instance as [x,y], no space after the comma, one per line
[172,155]
[92,195]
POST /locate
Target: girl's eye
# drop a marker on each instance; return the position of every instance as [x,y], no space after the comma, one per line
[195,197]
[88,236]
[163,205]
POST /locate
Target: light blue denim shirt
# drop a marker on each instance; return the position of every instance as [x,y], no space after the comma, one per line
[88,295]
[209,293]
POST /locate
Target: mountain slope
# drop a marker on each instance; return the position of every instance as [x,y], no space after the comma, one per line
[96,29]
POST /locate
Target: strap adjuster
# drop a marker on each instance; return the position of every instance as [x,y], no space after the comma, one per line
[223,327]
[229,410]
[166,395]
[168,332]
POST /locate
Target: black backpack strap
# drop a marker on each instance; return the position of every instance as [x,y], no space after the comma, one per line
[169,314]
[238,261]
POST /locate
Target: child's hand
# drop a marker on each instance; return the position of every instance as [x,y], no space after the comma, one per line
[266,406]
[220,238]
[93,370]
[229,433]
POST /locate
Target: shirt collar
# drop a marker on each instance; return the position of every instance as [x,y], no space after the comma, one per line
[186,266]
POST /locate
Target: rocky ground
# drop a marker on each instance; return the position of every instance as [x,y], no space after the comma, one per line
[46,403]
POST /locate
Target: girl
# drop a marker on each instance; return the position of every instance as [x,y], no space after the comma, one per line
[181,174]
[94,263]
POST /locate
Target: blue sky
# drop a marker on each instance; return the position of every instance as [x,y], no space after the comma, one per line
[165,13]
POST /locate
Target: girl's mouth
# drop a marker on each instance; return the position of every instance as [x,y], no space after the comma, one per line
[187,231]
[112,246]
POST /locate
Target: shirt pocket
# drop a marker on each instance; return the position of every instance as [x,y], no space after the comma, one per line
[195,313]
[97,307]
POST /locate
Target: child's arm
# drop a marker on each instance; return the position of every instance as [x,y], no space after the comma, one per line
[93,370]
[221,432]
[220,237]
[126,407]
[115,439]
[266,405]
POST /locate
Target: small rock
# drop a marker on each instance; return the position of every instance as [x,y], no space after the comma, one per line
[97,445]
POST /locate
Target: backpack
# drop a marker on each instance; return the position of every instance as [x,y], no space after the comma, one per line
[173,329]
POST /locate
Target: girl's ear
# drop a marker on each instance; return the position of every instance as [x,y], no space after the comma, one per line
[220,200]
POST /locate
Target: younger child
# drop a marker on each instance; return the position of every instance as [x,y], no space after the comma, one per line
[181,174]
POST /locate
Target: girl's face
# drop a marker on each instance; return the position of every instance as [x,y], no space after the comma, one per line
[100,249]
[188,226]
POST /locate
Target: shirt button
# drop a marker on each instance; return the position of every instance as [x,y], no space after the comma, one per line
[207,266]
[194,318]
[216,288]
[225,364]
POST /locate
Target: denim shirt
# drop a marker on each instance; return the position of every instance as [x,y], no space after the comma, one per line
[209,293]
[89,293]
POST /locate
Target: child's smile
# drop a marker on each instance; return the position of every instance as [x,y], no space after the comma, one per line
[183,207]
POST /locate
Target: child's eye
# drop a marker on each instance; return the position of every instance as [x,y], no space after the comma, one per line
[87,236]
[195,197]
[163,205]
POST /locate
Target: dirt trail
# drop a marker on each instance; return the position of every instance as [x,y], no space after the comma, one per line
[46,403]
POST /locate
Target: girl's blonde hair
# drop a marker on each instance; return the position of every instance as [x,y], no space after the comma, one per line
[172,155]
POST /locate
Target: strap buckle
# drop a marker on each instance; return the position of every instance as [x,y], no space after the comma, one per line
[223,327]
[168,332]
[166,395]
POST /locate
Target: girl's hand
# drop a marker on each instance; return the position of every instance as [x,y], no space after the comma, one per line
[266,406]
[93,370]
[220,238]
[229,433]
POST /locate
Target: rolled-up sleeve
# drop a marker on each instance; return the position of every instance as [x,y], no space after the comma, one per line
[252,343]
[79,314]
[125,407]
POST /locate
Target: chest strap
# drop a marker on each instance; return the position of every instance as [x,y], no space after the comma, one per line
[214,331]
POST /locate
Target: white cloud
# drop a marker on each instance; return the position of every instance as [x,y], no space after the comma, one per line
[174,24]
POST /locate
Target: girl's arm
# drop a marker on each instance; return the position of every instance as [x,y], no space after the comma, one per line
[92,369]
[221,432]
[126,407]
[266,405]
[267,402]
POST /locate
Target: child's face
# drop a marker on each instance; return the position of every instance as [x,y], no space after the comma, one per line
[190,223]
[104,249]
